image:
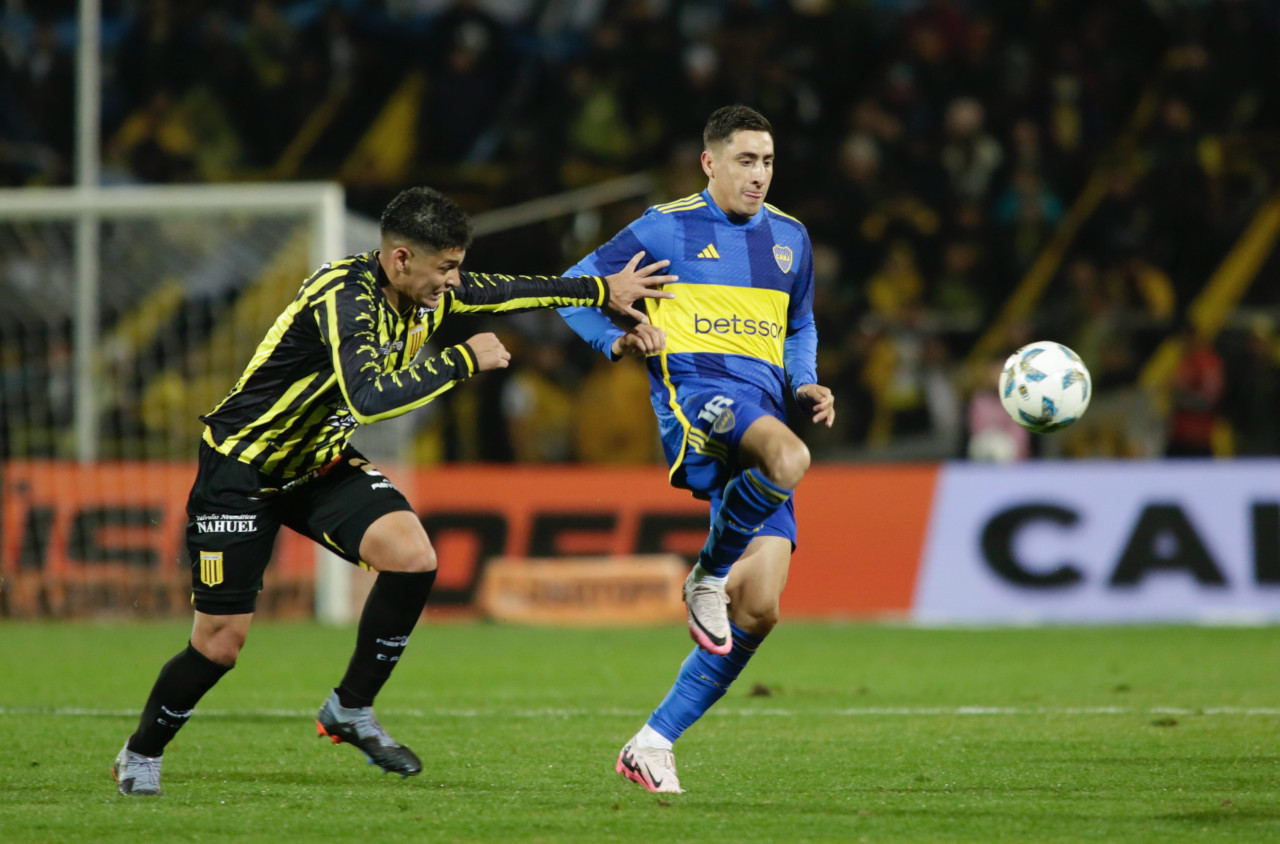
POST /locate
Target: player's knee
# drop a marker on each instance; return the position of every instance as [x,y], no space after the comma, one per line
[787,463]
[396,544]
[414,557]
[757,619]
[423,559]
[222,646]
[408,559]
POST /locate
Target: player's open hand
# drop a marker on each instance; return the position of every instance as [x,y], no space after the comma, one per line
[489,352]
[630,284]
[640,341]
[819,401]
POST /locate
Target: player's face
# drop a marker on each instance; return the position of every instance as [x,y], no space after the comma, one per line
[422,276]
[739,172]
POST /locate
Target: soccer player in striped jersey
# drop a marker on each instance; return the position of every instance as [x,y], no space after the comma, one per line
[721,356]
[345,352]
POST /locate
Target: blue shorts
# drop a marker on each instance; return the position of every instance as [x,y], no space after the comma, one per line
[704,458]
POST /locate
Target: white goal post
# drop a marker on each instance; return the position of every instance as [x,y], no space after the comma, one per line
[322,202]
[43,216]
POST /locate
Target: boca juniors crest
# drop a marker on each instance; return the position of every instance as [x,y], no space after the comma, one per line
[782,254]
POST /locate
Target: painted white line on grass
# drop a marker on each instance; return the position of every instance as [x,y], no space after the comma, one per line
[561,712]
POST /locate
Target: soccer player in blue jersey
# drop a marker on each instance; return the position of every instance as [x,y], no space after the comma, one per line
[721,356]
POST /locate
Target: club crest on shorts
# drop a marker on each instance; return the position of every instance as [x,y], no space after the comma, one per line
[210,567]
[724,422]
[783,255]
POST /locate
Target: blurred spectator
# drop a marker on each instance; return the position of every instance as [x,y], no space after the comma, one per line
[1196,398]
[1177,194]
[269,50]
[1114,368]
[970,155]
[467,87]
[1028,154]
[857,190]
[538,405]
[705,90]
[957,295]
[1084,315]
[1144,288]
[942,398]
[1253,392]
[606,135]
[975,62]
[45,80]
[224,72]
[37,391]
[743,40]
[613,423]
[906,371]
[897,287]
[157,142]
[1026,216]
[1066,117]
[155,48]
[1028,198]
[340,55]
[899,220]
[468,59]
[1122,218]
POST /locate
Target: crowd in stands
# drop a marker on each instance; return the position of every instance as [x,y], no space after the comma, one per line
[937,150]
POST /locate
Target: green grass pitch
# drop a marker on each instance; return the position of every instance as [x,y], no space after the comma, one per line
[836,733]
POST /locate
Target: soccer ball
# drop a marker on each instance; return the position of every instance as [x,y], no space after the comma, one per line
[1045,386]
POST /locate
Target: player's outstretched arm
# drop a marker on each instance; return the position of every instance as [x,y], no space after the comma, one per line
[511,294]
[616,293]
[819,401]
[630,284]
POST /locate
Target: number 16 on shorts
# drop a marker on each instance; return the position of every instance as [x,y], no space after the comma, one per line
[711,410]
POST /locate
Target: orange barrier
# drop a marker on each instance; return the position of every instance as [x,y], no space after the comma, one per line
[862,532]
[86,539]
[476,513]
[80,539]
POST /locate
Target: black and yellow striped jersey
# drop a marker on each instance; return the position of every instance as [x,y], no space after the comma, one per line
[340,356]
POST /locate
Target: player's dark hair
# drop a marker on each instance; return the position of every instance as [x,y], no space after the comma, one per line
[428,218]
[723,122]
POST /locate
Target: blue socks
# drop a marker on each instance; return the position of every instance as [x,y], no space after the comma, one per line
[703,680]
[749,499]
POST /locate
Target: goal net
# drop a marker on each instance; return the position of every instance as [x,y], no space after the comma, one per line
[125,313]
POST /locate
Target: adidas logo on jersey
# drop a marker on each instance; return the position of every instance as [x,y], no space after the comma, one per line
[709,252]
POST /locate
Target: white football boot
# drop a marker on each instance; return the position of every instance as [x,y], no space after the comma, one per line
[652,768]
[707,606]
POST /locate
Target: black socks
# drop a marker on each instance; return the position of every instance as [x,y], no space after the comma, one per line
[390,613]
[182,682]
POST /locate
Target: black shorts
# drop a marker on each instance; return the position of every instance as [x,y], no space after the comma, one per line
[234,513]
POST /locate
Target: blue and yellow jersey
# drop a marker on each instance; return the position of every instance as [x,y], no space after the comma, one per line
[742,319]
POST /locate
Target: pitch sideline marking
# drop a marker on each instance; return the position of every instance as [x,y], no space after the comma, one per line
[559,712]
